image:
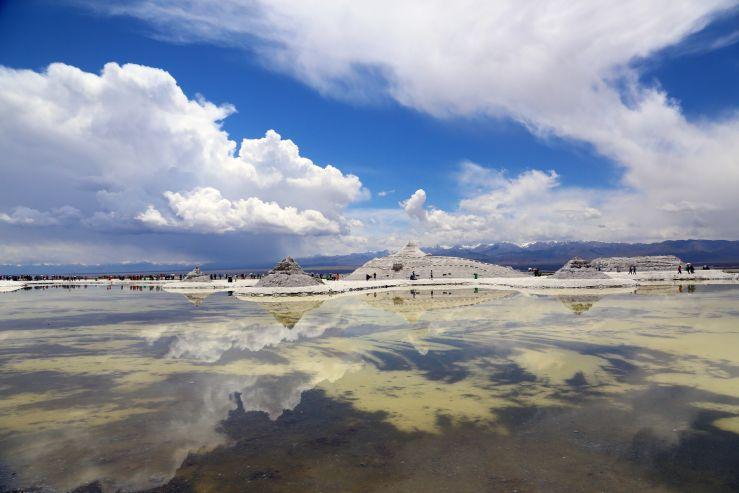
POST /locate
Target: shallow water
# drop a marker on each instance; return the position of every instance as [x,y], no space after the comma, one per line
[443,390]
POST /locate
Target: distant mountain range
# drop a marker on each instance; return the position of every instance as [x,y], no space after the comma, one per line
[548,255]
[552,254]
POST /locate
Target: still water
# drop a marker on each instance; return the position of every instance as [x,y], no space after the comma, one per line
[444,390]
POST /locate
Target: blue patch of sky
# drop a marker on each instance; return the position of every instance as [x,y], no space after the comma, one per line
[702,72]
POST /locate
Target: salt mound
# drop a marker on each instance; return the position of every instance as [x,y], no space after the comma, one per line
[644,263]
[287,274]
[579,268]
[411,259]
[196,275]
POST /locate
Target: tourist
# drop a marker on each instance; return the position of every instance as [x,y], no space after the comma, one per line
[679,269]
[374,276]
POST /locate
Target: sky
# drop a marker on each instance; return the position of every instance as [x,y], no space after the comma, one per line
[239,131]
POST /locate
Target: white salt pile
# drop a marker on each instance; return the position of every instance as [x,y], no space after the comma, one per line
[287,274]
[411,260]
[579,268]
[196,275]
[644,263]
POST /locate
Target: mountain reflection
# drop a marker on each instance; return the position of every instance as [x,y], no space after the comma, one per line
[125,403]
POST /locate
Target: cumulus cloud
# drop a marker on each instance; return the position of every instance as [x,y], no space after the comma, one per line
[474,179]
[414,205]
[126,151]
[530,204]
[526,188]
[152,217]
[205,209]
[26,216]
[534,205]
[563,68]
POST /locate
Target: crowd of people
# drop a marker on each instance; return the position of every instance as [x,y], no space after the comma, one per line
[149,277]
[330,276]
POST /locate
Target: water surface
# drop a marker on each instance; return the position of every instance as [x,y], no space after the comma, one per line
[444,390]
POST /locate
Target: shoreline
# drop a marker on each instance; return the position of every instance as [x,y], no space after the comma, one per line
[246,288]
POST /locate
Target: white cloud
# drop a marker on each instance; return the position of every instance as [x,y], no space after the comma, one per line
[385,193]
[414,205]
[152,217]
[474,178]
[535,206]
[506,194]
[686,205]
[26,216]
[560,68]
[205,209]
[127,151]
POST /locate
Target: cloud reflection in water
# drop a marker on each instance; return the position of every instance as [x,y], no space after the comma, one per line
[108,399]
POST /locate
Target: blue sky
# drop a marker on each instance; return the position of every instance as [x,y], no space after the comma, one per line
[474,148]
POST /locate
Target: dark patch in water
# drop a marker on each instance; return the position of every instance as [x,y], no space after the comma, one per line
[389,361]
[94,319]
[45,381]
[438,365]
[577,380]
[510,373]
[44,350]
[704,458]
[325,445]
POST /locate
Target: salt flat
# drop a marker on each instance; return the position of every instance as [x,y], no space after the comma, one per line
[246,287]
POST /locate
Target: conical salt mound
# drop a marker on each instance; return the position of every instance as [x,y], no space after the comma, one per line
[410,250]
[579,268]
[645,263]
[411,260]
[196,275]
[287,274]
